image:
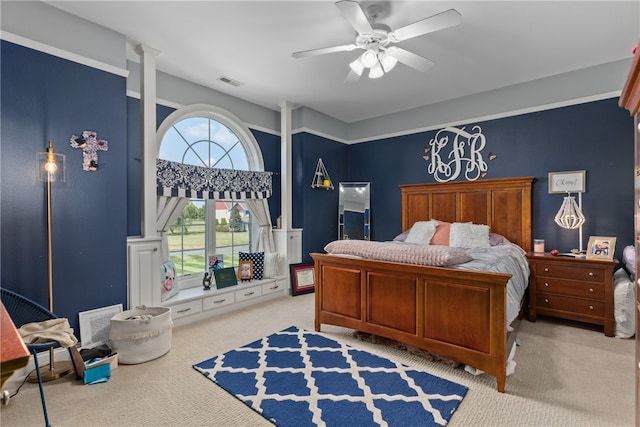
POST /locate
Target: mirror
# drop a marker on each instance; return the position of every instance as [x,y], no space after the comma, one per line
[354,211]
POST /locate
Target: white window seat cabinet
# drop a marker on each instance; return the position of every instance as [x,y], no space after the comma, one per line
[193,304]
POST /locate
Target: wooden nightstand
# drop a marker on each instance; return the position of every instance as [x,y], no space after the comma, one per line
[572,288]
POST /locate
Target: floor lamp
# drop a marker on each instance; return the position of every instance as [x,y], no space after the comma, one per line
[51,168]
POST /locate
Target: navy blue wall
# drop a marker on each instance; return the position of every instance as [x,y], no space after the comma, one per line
[596,137]
[315,210]
[45,97]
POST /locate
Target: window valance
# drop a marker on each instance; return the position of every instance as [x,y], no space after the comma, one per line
[180,180]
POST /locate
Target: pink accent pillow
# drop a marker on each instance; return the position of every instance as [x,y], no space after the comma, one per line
[441,236]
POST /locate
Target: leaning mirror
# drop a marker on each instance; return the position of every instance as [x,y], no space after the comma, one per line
[354,211]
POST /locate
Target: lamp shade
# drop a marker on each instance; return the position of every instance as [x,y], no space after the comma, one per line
[376,71]
[569,216]
[369,59]
[387,61]
[357,67]
[51,167]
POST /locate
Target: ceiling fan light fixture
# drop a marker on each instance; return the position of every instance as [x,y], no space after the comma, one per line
[357,67]
[388,62]
[369,58]
[376,71]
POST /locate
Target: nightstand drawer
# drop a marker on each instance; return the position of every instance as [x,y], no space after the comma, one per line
[570,287]
[567,304]
[587,273]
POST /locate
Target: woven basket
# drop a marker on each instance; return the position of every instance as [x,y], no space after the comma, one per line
[141,334]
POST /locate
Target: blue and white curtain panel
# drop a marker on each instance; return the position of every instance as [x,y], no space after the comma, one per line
[182,180]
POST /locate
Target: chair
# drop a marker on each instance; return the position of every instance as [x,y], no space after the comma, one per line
[22,311]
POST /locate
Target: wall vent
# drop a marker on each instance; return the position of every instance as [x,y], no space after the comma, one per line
[229,81]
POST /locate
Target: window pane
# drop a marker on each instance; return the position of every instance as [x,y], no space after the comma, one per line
[205,142]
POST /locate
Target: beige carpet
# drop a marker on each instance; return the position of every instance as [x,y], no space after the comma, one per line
[566,375]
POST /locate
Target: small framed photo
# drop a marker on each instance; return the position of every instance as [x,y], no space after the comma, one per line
[303,278]
[245,270]
[601,247]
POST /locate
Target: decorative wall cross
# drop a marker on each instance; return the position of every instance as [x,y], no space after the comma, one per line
[90,145]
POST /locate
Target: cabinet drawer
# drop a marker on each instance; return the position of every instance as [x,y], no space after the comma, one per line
[586,273]
[273,287]
[249,293]
[186,309]
[570,287]
[217,301]
[568,304]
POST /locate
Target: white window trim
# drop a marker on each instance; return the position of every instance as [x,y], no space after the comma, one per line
[248,141]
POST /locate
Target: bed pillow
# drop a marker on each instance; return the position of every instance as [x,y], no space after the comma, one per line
[168,280]
[441,236]
[421,232]
[623,305]
[271,260]
[402,236]
[496,239]
[629,260]
[258,262]
[465,235]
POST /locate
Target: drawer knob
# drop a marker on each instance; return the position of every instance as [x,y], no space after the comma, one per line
[546,269]
[590,307]
[546,284]
[591,290]
[249,294]
[219,301]
[546,300]
[591,274]
[184,310]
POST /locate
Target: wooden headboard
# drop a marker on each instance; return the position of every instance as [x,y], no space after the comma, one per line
[504,204]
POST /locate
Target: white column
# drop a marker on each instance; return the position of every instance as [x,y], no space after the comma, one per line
[288,241]
[285,161]
[149,144]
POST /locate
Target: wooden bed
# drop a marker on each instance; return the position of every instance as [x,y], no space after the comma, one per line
[455,313]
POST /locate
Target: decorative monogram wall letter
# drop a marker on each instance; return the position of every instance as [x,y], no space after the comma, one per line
[455,151]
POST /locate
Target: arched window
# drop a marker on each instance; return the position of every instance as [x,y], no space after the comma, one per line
[209,231]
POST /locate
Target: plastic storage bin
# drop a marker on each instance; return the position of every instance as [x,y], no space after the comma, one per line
[141,334]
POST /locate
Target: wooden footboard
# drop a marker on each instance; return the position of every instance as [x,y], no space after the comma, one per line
[457,314]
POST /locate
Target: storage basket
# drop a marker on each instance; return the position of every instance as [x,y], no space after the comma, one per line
[141,334]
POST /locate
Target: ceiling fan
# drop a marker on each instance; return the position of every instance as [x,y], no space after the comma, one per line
[377,40]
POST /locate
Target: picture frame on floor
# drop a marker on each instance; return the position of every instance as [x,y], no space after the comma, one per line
[303,278]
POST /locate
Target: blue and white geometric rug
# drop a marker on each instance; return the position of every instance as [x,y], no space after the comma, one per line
[298,378]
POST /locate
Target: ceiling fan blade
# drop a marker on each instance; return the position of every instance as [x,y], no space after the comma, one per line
[355,15]
[411,59]
[324,50]
[446,19]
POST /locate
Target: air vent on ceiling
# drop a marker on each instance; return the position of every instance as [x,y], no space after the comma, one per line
[229,81]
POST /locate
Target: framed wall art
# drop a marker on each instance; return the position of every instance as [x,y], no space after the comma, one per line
[567,182]
[601,247]
[303,278]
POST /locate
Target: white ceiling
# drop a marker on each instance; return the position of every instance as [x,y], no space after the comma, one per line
[498,43]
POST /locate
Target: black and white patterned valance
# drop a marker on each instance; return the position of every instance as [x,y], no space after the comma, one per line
[180,180]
